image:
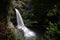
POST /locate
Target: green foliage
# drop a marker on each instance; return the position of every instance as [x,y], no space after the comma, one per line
[45,14]
[18,36]
[42,14]
[51,30]
[52,12]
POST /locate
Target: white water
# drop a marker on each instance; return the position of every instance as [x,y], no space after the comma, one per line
[27,32]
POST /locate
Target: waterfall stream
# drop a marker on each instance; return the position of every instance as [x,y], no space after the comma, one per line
[20,25]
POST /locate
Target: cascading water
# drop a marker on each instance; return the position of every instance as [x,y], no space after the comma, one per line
[27,33]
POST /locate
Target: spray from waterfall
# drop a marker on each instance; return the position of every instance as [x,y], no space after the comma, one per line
[27,32]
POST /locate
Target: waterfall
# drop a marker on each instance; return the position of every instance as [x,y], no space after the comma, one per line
[20,25]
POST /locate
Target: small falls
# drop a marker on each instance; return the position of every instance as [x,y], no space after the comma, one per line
[20,25]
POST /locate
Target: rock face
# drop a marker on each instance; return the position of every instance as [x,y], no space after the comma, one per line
[4,6]
[6,32]
[17,33]
[18,4]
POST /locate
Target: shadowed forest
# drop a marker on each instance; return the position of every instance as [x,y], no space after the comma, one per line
[40,16]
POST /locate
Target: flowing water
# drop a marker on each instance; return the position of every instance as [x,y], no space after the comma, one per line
[27,33]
